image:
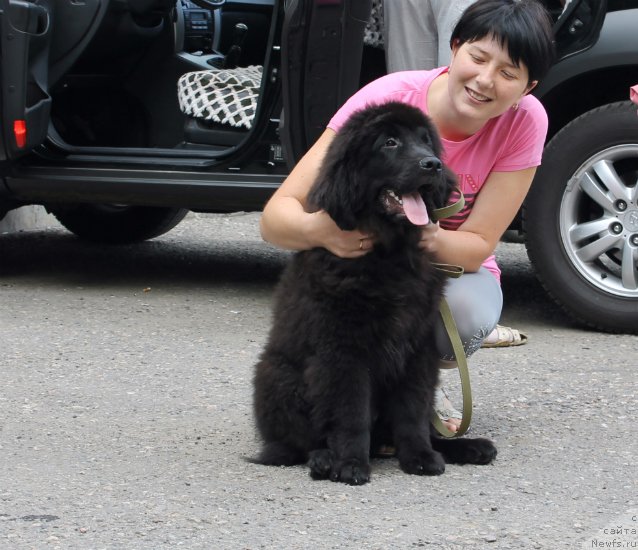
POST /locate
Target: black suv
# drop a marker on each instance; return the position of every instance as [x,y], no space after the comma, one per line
[92,126]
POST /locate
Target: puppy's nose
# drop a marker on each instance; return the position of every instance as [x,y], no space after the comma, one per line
[431,164]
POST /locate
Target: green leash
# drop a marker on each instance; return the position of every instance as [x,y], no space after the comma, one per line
[454,271]
[450,209]
[464,373]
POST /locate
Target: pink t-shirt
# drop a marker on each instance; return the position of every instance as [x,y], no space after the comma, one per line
[512,141]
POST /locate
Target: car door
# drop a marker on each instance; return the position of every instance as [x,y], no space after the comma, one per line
[39,41]
[322,46]
[25,31]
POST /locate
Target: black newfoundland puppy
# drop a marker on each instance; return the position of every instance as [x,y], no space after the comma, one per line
[350,363]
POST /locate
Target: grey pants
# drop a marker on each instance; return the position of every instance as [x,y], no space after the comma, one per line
[417,32]
[476,302]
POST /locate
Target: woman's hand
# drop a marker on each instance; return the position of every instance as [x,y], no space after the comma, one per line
[324,232]
[429,238]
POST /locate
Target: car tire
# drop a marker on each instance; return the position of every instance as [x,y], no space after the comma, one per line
[118,224]
[580,218]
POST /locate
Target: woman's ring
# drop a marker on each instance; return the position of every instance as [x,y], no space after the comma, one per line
[360,244]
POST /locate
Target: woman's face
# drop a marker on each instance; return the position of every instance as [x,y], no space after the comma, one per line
[483,81]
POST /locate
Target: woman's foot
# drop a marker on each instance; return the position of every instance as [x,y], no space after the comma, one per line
[503,337]
[450,417]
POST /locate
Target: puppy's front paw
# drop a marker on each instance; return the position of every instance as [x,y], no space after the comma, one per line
[321,462]
[351,471]
[424,463]
[324,465]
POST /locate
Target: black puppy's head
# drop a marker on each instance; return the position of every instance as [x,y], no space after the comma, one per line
[382,168]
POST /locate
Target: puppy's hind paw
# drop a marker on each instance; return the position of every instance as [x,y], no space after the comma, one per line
[276,453]
[480,451]
[466,451]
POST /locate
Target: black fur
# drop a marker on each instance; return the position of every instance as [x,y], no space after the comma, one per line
[350,362]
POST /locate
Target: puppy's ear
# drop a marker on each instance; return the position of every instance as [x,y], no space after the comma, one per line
[336,191]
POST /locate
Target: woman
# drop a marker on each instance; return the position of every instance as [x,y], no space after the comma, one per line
[493,134]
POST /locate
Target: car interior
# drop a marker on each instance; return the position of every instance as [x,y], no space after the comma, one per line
[116,65]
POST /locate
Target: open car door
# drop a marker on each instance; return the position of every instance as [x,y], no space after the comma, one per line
[322,46]
[25,28]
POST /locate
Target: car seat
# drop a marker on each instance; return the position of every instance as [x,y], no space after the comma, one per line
[220,103]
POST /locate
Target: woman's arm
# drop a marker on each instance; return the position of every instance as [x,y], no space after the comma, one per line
[286,223]
[496,205]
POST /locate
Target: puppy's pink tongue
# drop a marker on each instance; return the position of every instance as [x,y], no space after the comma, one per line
[415,209]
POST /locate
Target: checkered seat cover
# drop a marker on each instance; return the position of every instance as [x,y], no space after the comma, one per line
[225,96]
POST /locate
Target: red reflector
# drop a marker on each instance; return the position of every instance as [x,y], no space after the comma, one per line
[20,132]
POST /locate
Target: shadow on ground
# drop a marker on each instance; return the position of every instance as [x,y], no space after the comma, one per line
[60,258]
[179,259]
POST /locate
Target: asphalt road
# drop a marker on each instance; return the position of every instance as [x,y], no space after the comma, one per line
[125,413]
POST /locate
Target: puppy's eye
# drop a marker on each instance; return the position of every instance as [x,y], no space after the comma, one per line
[391,142]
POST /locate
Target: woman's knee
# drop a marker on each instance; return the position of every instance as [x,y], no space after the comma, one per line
[476,302]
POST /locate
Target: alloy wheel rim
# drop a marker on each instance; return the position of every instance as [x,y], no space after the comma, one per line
[599,220]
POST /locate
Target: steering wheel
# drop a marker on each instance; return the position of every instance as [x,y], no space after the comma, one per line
[208,4]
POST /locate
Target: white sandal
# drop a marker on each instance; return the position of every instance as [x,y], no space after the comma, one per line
[504,337]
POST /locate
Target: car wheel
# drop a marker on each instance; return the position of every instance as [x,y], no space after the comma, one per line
[117,224]
[581,218]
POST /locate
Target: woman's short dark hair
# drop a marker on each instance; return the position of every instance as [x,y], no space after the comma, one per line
[523,26]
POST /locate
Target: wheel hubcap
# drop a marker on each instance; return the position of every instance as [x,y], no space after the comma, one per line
[599,220]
